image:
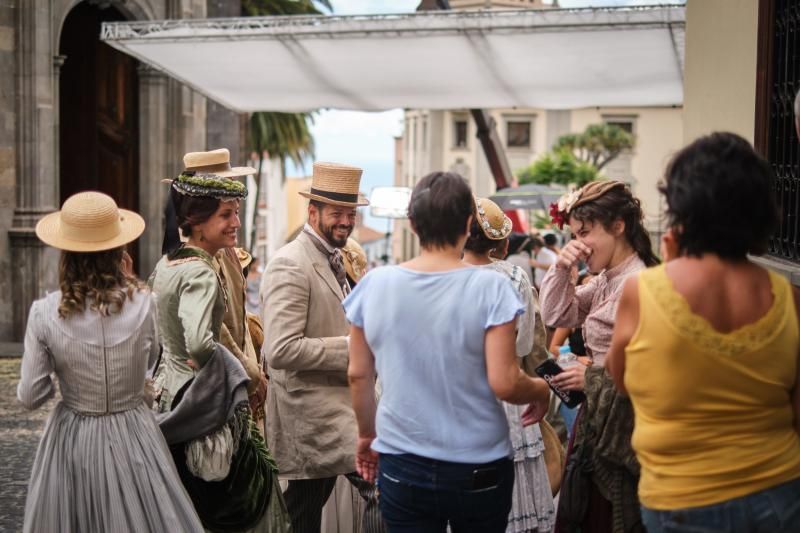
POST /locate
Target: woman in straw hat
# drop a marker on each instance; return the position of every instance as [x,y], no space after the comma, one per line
[598,493]
[442,437]
[102,464]
[214,167]
[532,502]
[220,454]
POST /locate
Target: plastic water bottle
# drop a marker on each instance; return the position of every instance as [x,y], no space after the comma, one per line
[566,358]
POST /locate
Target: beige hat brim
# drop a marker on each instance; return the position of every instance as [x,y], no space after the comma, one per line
[362,201]
[503,234]
[131,228]
[236,172]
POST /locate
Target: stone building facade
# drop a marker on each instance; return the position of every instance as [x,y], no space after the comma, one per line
[88,120]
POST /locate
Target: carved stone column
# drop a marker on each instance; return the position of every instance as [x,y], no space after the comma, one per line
[153,164]
[34,266]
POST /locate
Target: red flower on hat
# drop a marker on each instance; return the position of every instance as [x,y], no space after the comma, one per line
[557,215]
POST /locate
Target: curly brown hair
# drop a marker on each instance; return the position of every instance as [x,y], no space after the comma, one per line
[97,276]
[619,203]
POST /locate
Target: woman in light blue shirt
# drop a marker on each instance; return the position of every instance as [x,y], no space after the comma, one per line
[441,336]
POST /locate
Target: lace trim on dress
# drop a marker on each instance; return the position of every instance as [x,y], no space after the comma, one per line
[700,331]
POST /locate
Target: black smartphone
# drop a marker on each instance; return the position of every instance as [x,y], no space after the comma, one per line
[570,398]
[484,478]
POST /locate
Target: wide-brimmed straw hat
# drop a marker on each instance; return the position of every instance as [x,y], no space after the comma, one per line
[89,222]
[491,219]
[336,184]
[216,162]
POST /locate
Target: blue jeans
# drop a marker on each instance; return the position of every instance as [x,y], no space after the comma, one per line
[774,510]
[423,495]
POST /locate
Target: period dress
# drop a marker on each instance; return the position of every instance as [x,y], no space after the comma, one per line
[532,501]
[192,299]
[102,463]
[191,305]
[601,449]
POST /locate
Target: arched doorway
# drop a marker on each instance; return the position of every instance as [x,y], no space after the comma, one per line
[98,111]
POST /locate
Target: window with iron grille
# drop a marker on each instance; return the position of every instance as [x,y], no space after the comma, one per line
[778,81]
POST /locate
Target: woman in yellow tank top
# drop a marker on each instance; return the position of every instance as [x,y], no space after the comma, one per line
[707,347]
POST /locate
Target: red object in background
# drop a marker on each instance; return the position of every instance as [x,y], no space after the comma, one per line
[519,220]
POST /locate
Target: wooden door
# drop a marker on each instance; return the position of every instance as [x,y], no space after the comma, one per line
[99,112]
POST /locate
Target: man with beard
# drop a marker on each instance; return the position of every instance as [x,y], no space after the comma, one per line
[311,427]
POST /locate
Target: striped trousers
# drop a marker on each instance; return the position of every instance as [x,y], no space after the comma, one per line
[305,498]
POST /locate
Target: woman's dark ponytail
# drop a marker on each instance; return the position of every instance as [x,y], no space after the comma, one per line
[638,237]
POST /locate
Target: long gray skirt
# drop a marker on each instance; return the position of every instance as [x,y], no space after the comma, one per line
[106,473]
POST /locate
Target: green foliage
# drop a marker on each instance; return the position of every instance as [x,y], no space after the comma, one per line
[222,184]
[542,220]
[598,145]
[282,135]
[256,8]
[561,167]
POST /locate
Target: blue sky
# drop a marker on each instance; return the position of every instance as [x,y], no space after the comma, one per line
[367,139]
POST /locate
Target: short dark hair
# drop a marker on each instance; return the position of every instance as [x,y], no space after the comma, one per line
[321,206]
[440,205]
[720,198]
[550,239]
[536,242]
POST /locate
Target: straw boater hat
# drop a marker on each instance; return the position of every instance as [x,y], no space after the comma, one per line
[210,174]
[491,219]
[216,162]
[354,259]
[89,222]
[336,184]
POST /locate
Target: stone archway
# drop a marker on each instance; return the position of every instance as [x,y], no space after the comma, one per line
[99,111]
[171,121]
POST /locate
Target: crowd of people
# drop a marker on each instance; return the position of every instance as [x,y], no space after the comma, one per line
[208,400]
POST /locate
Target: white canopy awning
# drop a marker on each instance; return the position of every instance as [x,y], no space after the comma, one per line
[551,59]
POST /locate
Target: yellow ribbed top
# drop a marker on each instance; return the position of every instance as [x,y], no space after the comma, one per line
[713,411]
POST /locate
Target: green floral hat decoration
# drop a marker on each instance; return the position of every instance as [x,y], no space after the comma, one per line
[210,174]
[210,185]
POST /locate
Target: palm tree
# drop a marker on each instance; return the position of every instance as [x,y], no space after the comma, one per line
[280,135]
[598,145]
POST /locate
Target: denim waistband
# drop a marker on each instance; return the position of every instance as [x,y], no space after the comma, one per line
[433,473]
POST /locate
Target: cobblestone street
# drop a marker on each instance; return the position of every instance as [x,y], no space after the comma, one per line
[19,435]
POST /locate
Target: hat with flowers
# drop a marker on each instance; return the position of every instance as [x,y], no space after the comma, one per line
[491,219]
[559,211]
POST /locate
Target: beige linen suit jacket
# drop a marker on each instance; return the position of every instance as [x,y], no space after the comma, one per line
[311,427]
